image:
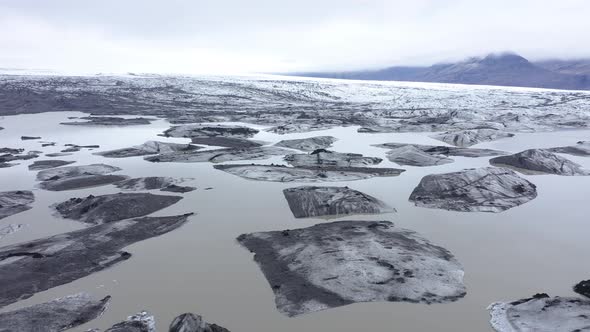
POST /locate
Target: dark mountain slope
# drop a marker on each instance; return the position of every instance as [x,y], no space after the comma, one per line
[575,67]
[496,69]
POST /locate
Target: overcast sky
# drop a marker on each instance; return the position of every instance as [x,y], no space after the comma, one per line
[238,36]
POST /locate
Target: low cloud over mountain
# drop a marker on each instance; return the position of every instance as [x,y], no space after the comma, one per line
[506,69]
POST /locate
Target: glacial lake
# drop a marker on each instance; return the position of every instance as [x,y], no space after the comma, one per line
[200,268]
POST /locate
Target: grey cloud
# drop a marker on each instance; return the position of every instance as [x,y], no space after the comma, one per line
[264,35]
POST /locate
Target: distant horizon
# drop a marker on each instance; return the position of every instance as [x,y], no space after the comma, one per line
[50,71]
[499,69]
[480,56]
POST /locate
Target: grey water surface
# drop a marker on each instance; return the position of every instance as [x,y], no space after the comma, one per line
[536,247]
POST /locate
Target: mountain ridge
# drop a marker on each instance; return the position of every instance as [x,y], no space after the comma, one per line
[501,69]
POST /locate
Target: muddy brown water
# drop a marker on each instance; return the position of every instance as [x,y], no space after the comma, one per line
[537,247]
